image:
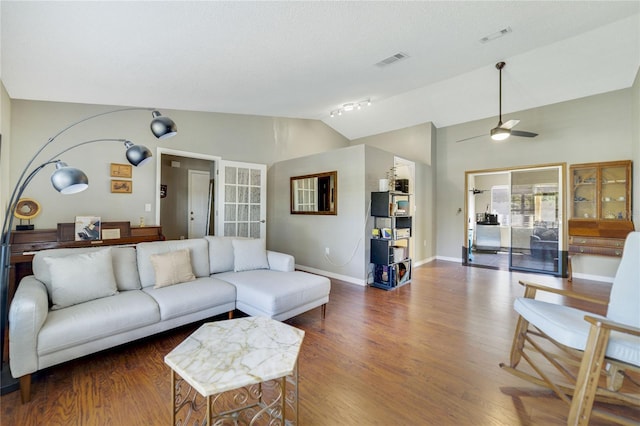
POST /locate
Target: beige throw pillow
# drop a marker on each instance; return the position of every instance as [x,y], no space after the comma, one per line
[172,268]
[80,278]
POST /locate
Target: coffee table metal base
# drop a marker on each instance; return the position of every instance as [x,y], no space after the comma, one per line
[274,402]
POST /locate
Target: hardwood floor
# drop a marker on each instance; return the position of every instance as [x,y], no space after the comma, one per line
[424,354]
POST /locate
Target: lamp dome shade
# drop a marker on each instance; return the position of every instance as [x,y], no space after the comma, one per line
[137,154]
[162,127]
[68,180]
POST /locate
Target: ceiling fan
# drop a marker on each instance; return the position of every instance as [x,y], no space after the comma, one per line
[503,130]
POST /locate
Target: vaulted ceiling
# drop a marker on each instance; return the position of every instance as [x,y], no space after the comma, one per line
[304,59]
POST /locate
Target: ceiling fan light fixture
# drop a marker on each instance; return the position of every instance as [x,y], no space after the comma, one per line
[500,133]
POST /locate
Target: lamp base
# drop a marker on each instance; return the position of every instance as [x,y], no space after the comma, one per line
[25,227]
[7,382]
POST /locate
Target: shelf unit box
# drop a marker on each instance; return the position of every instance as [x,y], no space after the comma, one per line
[388,204]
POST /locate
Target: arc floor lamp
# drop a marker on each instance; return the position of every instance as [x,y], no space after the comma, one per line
[66,180]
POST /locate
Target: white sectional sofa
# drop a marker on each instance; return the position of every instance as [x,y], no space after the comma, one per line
[84,300]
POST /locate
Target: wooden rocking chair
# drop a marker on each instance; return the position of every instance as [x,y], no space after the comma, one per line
[592,355]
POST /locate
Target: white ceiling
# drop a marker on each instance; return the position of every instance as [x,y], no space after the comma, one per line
[303,59]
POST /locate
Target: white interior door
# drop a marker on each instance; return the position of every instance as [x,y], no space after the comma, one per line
[198,201]
[241,200]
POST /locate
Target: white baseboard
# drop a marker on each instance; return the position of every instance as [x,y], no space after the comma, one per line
[423,261]
[449,259]
[340,277]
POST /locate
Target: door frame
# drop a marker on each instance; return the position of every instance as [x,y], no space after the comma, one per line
[470,175]
[187,154]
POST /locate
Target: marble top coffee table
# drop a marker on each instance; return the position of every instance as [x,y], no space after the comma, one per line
[239,371]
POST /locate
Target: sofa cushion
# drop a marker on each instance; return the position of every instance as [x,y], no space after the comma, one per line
[125,267]
[172,268]
[220,253]
[96,319]
[185,298]
[78,278]
[274,292]
[198,251]
[249,255]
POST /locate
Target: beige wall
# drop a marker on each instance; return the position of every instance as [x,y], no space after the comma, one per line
[415,144]
[596,128]
[233,137]
[5,131]
[307,236]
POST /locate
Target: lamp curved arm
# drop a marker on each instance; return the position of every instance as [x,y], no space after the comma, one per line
[23,182]
[167,125]
[52,138]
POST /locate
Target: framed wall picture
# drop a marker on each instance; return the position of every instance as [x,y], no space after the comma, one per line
[121,170]
[121,186]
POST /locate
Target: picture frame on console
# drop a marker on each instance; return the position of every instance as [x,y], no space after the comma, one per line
[87,228]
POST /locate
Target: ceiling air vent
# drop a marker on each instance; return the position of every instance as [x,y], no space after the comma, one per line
[392,59]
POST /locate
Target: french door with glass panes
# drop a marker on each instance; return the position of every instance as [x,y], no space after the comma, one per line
[242,199]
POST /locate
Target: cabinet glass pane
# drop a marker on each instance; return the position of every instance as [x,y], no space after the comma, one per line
[614,193]
[584,193]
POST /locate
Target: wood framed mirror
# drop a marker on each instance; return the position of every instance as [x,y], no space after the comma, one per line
[315,194]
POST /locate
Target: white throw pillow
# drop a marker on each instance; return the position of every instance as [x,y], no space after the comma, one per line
[79,278]
[172,267]
[249,254]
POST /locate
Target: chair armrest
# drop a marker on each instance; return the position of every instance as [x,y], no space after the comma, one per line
[530,292]
[280,261]
[612,325]
[27,313]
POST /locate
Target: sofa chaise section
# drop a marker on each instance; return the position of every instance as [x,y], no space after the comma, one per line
[269,287]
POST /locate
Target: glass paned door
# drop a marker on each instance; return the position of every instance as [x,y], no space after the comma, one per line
[536,220]
[584,201]
[242,187]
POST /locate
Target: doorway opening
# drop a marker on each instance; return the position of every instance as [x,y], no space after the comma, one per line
[515,219]
[185,200]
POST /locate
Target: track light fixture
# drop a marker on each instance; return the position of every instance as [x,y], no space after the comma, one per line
[350,106]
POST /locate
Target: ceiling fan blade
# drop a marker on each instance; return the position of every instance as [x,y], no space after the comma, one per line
[472,137]
[523,134]
[510,124]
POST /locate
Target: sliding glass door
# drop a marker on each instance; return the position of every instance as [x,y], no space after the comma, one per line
[536,220]
[514,219]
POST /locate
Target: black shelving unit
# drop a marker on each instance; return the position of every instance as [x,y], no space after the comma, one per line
[390,242]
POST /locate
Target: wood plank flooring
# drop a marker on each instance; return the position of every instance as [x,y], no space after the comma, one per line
[424,354]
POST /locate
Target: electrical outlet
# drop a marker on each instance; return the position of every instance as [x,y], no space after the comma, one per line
[147,207]
[327,251]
